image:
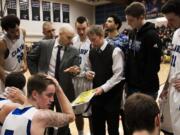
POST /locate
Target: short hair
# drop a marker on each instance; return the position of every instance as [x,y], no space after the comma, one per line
[9,21]
[95,30]
[171,6]
[46,24]
[140,112]
[38,82]
[15,79]
[116,20]
[81,19]
[135,9]
[66,27]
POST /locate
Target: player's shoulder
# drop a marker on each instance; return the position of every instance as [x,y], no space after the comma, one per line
[3,45]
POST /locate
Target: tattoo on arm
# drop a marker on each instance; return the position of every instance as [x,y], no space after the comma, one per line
[53,119]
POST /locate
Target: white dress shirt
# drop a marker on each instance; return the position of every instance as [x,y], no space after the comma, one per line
[117,68]
[52,63]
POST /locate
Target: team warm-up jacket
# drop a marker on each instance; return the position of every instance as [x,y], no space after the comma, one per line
[143,59]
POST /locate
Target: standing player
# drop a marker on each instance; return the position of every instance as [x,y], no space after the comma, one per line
[81,83]
[172,13]
[12,48]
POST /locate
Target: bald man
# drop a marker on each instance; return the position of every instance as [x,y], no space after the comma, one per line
[58,58]
[48,30]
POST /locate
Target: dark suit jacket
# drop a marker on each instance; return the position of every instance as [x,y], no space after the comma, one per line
[39,58]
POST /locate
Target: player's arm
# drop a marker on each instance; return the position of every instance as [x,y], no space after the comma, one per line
[2,56]
[50,118]
[6,109]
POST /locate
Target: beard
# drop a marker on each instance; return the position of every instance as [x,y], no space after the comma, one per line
[109,30]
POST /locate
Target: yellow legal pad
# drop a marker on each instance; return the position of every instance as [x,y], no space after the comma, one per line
[84,97]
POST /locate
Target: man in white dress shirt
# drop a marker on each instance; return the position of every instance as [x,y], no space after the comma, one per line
[107,62]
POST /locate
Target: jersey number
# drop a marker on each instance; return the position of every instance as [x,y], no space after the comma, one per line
[20,57]
[173,61]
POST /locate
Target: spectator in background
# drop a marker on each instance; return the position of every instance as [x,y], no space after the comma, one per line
[112,26]
[117,39]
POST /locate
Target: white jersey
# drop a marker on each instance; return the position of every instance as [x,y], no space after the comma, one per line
[14,60]
[3,101]
[80,82]
[84,48]
[175,74]
[18,122]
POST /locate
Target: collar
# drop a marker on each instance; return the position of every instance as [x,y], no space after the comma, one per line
[85,40]
[56,44]
[77,38]
[104,45]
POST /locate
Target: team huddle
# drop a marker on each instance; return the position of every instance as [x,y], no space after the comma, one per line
[92,57]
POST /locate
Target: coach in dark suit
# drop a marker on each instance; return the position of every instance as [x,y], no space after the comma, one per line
[59,59]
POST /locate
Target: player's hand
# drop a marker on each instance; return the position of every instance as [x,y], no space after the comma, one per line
[23,68]
[90,75]
[15,95]
[177,84]
[58,87]
[164,94]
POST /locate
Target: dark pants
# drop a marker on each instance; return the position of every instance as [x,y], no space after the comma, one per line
[125,129]
[131,90]
[62,130]
[99,119]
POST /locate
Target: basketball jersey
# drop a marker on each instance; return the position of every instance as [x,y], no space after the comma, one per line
[14,60]
[3,101]
[80,82]
[83,48]
[175,74]
[18,122]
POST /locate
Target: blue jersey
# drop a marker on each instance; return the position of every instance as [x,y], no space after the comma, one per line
[120,41]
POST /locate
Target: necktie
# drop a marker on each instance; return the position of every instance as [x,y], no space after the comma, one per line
[58,60]
[99,51]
